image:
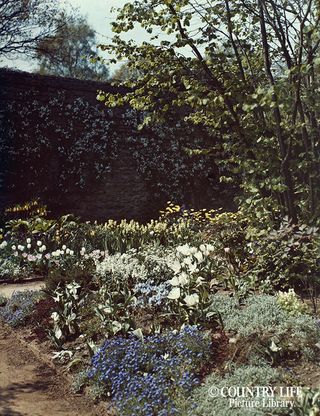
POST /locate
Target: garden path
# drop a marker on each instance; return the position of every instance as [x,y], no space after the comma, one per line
[29,387]
[7,289]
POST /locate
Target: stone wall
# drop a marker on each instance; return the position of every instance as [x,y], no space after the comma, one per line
[58,143]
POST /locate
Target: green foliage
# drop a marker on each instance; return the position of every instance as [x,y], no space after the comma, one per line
[286,256]
[308,404]
[262,327]
[125,235]
[213,64]
[115,308]
[66,312]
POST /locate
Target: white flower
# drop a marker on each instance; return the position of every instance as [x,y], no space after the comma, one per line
[174,293]
[43,248]
[274,348]
[210,247]
[3,244]
[192,300]
[188,261]
[55,316]
[20,247]
[176,266]
[39,244]
[185,249]
[71,252]
[199,256]
[183,279]
[174,281]
[203,248]
[68,251]
[180,280]
[29,246]
[28,240]
[64,247]
[14,248]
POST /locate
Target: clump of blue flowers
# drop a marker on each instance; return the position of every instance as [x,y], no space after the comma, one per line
[151,376]
[151,294]
[19,307]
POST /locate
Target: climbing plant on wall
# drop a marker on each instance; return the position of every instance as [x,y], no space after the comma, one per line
[63,144]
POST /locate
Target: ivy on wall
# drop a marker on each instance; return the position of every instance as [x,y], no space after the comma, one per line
[76,141]
[66,144]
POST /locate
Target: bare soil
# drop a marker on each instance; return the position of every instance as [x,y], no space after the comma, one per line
[31,387]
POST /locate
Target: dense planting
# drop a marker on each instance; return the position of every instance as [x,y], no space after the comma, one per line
[151,316]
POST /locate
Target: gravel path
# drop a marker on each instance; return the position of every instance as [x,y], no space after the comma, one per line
[29,387]
[8,289]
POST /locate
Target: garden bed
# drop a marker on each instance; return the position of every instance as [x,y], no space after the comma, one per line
[149,319]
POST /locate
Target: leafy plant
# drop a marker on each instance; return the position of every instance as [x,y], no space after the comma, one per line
[68,302]
[260,326]
[115,309]
[308,404]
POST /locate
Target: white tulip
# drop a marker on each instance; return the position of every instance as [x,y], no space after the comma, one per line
[185,249]
[174,281]
[174,293]
[192,300]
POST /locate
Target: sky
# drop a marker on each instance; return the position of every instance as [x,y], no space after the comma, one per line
[99,17]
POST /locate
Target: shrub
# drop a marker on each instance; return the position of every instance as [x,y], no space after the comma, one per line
[262,323]
[285,257]
[151,376]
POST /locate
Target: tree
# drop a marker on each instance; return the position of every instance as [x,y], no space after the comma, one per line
[251,76]
[124,73]
[71,51]
[23,23]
